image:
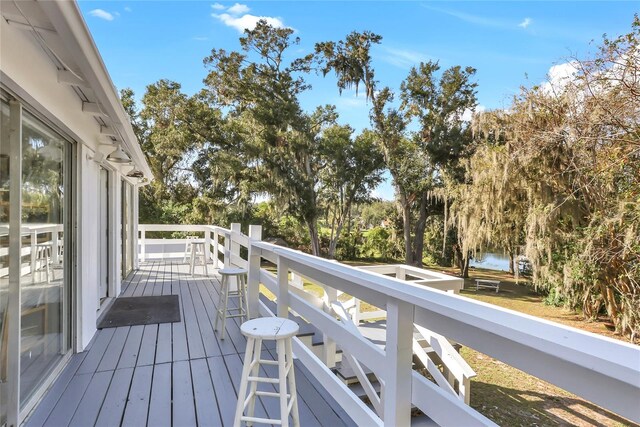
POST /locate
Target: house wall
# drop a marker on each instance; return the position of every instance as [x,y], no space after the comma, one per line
[31,75]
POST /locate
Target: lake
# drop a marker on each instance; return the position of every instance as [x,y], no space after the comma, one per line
[491,261]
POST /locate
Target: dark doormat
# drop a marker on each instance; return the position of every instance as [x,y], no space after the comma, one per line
[129,311]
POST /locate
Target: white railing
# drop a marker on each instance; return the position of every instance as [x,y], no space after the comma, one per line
[599,369]
[35,232]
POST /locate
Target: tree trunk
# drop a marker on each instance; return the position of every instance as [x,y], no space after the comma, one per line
[512,263]
[345,215]
[313,235]
[445,227]
[418,238]
[465,267]
[406,225]
[334,241]
[462,260]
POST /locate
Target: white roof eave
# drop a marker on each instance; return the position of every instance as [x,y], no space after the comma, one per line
[68,22]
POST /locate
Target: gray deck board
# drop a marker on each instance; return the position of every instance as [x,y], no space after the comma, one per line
[179,342]
[114,349]
[172,374]
[206,412]
[209,341]
[225,394]
[160,405]
[91,362]
[131,348]
[148,353]
[89,407]
[135,413]
[44,409]
[183,395]
[69,401]
[116,399]
[163,349]
[194,338]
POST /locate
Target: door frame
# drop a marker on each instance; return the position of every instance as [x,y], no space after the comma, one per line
[19,101]
[104,237]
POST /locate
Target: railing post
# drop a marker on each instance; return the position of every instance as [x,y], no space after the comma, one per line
[234,246]
[356,312]
[143,244]
[253,285]
[399,355]
[34,242]
[216,242]
[227,250]
[329,345]
[207,244]
[401,273]
[54,246]
[283,288]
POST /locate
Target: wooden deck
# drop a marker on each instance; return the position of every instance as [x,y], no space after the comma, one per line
[172,374]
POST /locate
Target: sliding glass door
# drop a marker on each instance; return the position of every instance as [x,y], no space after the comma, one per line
[35,249]
[5,211]
[45,291]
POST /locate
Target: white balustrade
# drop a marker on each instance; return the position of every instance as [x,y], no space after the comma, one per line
[577,361]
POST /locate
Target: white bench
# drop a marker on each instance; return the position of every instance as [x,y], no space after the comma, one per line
[488,284]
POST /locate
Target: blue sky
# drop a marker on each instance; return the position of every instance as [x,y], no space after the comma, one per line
[509,43]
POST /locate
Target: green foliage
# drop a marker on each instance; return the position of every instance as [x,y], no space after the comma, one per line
[561,173]
[377,243]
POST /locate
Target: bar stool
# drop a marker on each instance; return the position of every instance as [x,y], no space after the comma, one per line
[187,249]
[43,259]
[198,253]
[256,330]
[224,311]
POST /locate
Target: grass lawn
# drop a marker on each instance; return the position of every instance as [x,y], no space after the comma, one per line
[511,397]
[507,395]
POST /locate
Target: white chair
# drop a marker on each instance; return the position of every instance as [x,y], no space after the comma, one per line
[257,330]
[224,311]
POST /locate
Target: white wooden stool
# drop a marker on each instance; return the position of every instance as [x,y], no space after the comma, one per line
[256,330]
[224,311]
[198,253]
[187,249]
[43,259]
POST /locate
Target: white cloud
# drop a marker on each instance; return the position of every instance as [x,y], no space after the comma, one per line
[525,23]
[127,9]
[403,58]
[472,19]
[247,22]
[559,76]
[238,9]
[237,17]
[468,113]
[102,14]
[483,21]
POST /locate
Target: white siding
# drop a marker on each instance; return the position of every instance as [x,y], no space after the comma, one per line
[33,75]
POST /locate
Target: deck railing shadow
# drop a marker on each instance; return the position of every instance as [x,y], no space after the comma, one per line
[543,406]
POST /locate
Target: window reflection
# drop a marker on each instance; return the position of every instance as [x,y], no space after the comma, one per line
[42,285]
[4,253]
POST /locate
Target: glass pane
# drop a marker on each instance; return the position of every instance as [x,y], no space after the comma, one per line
[43,282]
[4,254]
[127,229]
